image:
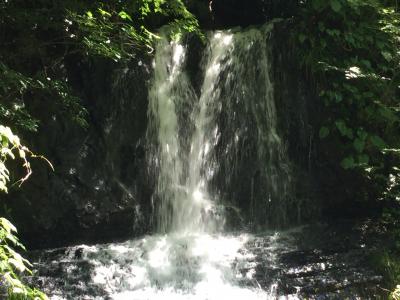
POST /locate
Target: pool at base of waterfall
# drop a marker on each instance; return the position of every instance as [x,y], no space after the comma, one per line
[311,262]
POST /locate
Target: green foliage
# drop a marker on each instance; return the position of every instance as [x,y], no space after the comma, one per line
[181,20]
[395,295]
[42,41]
[323,132]
[351,49]
[32,65]
[391,264]
[10,147]
[120,30]
[99,35]
[12,264]
[14,84]
[387,262]
[16,87]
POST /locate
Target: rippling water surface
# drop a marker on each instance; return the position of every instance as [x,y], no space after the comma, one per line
[313,262]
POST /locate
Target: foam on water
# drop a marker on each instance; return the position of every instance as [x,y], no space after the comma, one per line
[176,266]
[193,260]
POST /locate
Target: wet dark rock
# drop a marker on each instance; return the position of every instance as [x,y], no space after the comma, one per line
[305,263]
[244,13]
[217,14]
[316,265]
[100,190]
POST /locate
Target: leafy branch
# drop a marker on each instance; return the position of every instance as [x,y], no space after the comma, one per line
[12,264]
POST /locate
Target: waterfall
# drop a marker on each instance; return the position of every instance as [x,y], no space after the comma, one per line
[201,137]
[203,142]
[251,156]
[170,88]
[214,146]
[185,203]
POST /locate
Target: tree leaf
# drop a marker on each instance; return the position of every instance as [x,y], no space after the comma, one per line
[378,142]
[361,133]
[343,129]
[336,6]
[318,4]
[124,15]
[387,55]
[359,145]
[104,13]
[348,163]
[17,263]
[363,159]
[7,225]
[323,132]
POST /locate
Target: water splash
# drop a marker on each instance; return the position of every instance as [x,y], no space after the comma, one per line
[185,203]
[170,87]
[173,266]
[252,158]
[231,127]
[186,159]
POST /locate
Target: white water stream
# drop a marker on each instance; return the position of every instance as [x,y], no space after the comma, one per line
[184,202]
[192,257]
[176,266]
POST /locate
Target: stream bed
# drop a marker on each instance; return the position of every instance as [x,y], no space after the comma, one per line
[317,261]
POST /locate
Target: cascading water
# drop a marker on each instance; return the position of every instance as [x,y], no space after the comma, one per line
[191,257]
[199,143]
[170,88]
[199,139]
[182,192]
[251,157]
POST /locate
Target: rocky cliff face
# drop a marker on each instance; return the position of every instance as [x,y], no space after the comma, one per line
[230,13]
[99,189]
